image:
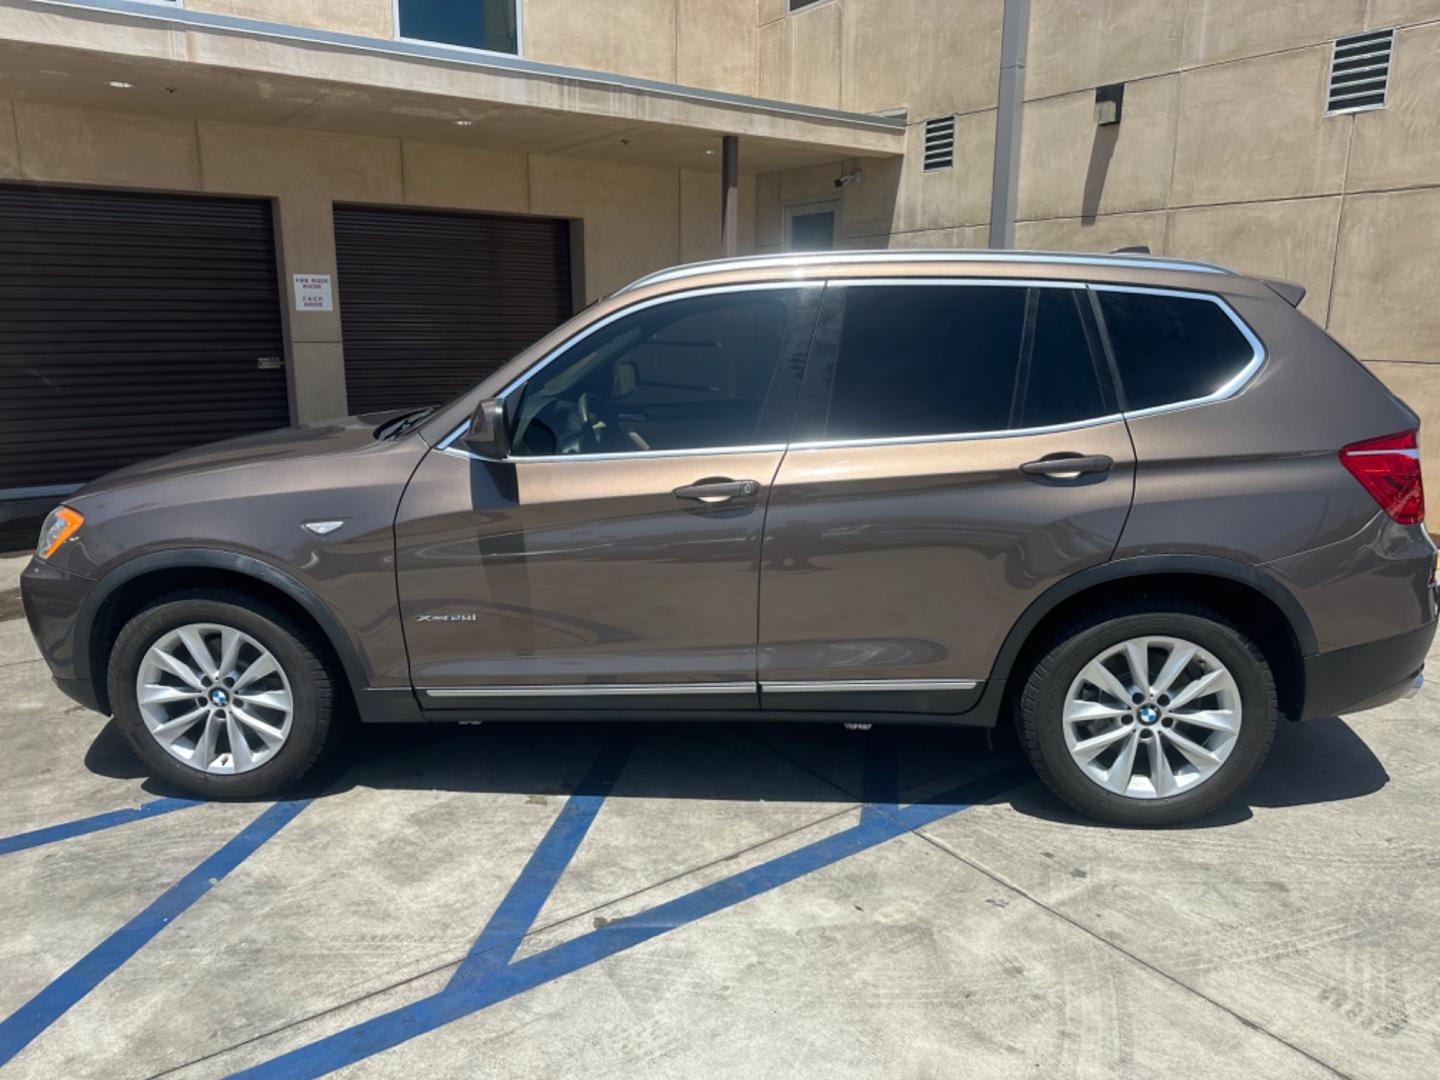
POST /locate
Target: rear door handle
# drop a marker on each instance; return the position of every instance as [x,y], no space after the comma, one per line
[1067,466]
[718,489]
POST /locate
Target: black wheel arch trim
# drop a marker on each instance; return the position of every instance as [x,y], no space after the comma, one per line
[1139,566]
[366,699]
[987,711]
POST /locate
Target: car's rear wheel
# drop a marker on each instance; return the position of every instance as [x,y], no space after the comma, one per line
[1153,713]
[222,695]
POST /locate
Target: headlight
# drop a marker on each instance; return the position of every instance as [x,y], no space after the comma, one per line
[62,524]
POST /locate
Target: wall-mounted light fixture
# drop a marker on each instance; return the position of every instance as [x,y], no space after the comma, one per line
[1108,102]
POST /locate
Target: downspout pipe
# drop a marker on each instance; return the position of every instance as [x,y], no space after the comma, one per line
[1005,182]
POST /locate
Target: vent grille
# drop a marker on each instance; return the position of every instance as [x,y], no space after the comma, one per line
[1360,72]
[939,143]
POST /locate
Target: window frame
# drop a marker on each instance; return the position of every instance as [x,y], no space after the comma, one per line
[451,445]
[1236,383]
[398,36]
[808,5]
[1097,340]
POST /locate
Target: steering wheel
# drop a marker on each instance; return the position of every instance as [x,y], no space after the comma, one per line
[603,433]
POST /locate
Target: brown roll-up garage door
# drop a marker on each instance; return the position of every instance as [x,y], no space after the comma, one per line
[131,325]
[430,303]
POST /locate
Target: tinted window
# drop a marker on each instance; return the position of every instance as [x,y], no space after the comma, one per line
[475,24]
[1171,348]
[951,359]
[682,375]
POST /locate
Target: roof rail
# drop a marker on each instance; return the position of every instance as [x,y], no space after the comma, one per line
[862,258]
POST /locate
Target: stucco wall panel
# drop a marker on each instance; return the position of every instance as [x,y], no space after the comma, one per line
[1072,167]
[368,18]
[1399,145]
[1080,44]
[716,45]
[113,149]
[1255,129]
[1103,234]
[815,58]
[631,213]
[9,142]
[636,37]
[932,56]
[700,216]
[1294,240]
[1226,29]
[1385,272]
[444,174]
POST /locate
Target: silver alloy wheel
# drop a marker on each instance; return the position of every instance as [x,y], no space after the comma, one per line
[214,698]
[1152,717]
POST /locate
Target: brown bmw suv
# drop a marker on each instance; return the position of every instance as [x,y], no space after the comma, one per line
[1142,508]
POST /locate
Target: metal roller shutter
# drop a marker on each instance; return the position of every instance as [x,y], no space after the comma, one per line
[432,302]
[131,325]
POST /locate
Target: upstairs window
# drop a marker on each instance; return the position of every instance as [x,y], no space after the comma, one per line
[489,25]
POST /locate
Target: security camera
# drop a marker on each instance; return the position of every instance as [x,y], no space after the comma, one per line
[849,178]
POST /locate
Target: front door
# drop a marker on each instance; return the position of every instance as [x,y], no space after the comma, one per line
[613,559]
[956,451]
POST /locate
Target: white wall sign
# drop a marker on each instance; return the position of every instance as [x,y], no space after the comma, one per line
[312,292]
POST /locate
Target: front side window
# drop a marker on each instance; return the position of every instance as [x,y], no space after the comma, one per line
[1171,349]
[917,360]
[711,371]
[492,25]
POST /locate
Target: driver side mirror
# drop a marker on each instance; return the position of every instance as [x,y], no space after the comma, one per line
[488,436]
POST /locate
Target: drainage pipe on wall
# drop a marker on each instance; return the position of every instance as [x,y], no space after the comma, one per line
[1005,183]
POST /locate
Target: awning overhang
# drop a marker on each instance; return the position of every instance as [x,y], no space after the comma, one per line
[244,70]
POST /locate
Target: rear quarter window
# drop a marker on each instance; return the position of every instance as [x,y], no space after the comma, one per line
[1171,349]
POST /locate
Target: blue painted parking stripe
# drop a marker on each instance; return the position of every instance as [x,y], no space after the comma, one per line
[97,823]
[22,1026]
[497,943]
[458,999]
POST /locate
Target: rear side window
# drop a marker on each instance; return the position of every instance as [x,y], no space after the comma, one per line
[915,360]
[1171,349]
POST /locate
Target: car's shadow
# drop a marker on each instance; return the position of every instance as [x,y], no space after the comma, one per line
[1318,762]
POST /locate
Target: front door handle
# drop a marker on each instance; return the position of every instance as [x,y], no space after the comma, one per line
[718,489]
[1068,466]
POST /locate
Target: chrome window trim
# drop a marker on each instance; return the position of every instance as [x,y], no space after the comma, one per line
[592,690]
[801,261]
[445,444]
[702,451]
[1233,385]
[829,686]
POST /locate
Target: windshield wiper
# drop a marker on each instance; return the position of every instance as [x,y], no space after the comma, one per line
[401,425]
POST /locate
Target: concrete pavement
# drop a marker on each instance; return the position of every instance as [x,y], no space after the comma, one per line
[734,900]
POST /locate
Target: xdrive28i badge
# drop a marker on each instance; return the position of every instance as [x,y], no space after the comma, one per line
[467,616]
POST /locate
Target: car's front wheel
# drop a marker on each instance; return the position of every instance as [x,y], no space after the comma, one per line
[1149,714]
[222,695]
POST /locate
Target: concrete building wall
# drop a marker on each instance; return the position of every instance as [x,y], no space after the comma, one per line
[634,218]
[931,58]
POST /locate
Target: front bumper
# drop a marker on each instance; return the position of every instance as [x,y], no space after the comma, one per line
[52,599]
[1366,676]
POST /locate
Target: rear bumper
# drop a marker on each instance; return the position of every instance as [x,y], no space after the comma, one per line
[1366,676]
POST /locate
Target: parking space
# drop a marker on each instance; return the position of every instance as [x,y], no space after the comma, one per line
[724,899]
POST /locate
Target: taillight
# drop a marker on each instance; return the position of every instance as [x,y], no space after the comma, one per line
[1389,469]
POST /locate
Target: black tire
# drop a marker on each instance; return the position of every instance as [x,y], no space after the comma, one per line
[315,685]
[1042,700]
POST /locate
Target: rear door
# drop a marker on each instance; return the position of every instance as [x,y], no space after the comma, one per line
[957,450]
[613,560]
